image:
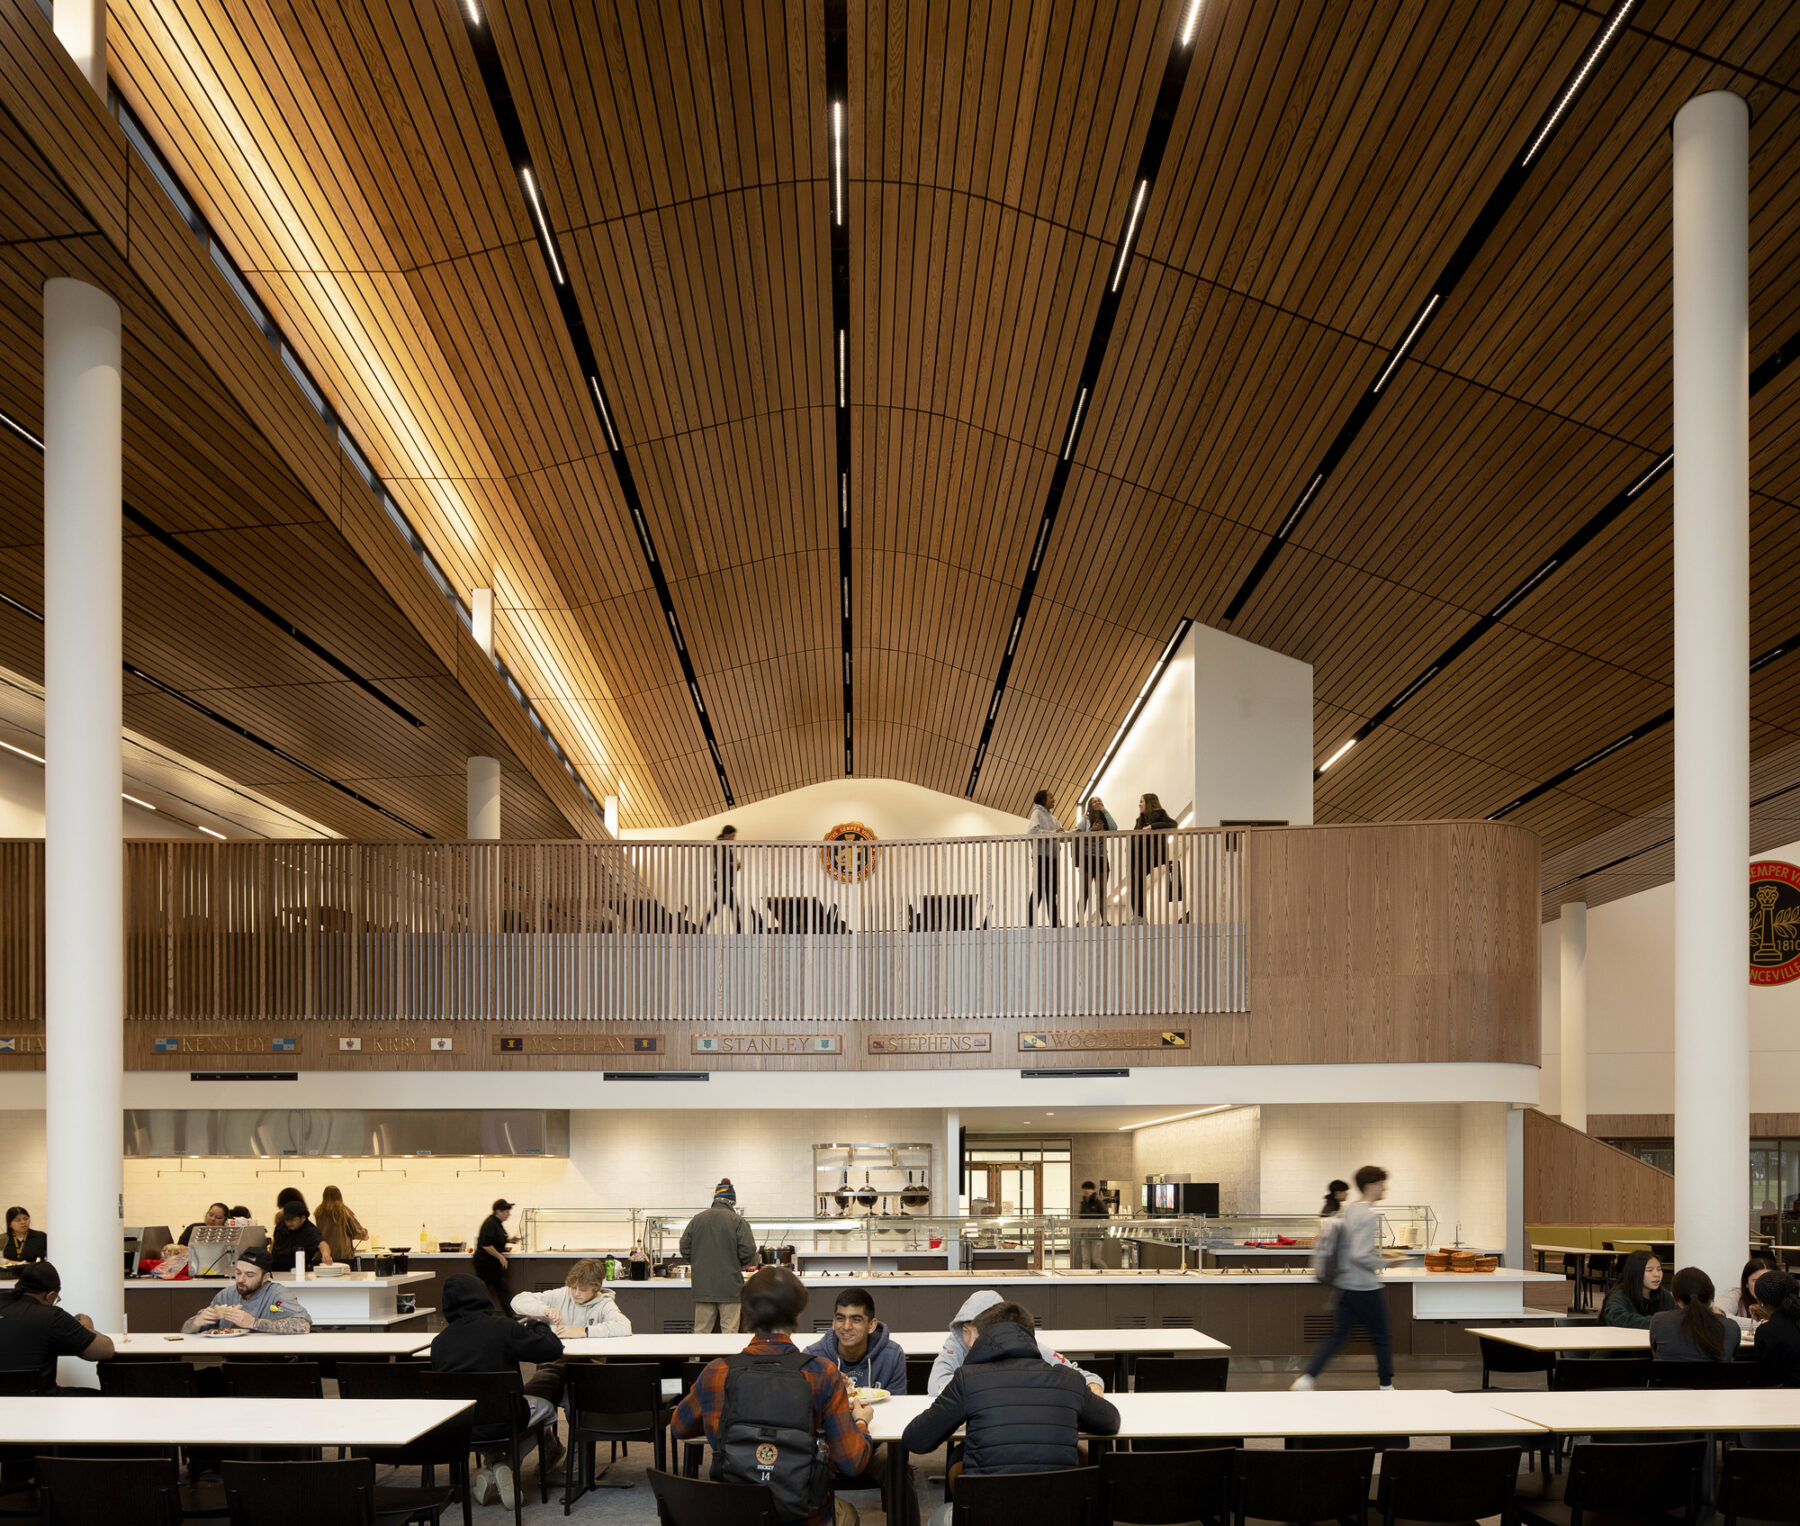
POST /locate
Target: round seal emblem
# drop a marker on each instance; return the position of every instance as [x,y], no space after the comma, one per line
[849,853]
[765,1454]
[1774,922]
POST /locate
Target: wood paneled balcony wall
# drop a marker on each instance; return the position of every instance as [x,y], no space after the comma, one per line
[1402,941]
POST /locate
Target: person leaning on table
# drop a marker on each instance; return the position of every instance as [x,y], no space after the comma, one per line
[580,1307]
[34,1332]
[717,1245]
[254,1301]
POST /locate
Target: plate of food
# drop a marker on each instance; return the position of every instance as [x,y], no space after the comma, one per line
[873,1395]
[222,1332]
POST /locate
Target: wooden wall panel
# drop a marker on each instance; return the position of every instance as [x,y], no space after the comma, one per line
[1572,1178]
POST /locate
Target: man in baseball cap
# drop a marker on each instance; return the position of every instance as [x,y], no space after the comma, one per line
[254,1301]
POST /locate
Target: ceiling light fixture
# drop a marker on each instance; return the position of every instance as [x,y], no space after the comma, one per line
[1299,508]
[1573,88]
[537,207]
[21,431]
[1338,754]
[1193,20]
[135,801]
[21,752]
[1651,475]
[473,12]
[210,833]
[1137,208]
[1075,423]
[841,393]
[843,500]
[605,417]
[1217,1107]
[837,161]
[1406,343]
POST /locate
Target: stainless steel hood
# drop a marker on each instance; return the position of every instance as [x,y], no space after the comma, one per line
[256,1133]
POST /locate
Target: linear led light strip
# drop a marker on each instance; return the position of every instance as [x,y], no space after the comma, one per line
[543,223]
[1137,208]
[123,796]
[1137,708]
[1149,1123]
[1406,343]
[1573,88]
[837,161]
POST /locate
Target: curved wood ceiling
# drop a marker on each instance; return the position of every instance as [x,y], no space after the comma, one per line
[1316,179]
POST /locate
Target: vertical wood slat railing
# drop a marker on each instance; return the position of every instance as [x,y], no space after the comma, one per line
[1149,923]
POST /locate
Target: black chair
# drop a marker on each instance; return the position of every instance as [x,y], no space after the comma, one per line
[137,1491]
[1469,1484]
[1162,1488]
[149,1380]
[499,1423]
[300,1493]
[1602,1269]
[1593,1372]
[1181,1374]
[1503,1356]
[1757,1484]
[1708,1375]
[612,1401]
[272,1380]
[446,1445]
[1063,1497]
[1653,1480]
[695,1502]
[918,1373]
[1302,1486]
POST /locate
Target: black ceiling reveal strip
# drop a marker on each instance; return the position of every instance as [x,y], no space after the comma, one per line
[1485,222]
[1162,118]
[1562,555]
[837,130]
[512,134]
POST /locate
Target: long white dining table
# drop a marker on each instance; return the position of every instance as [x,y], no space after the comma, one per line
[101,1420]
[1654,1409]
[1573,1337]
[371,1344]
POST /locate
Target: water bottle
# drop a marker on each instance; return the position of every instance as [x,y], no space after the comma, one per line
[612,1268]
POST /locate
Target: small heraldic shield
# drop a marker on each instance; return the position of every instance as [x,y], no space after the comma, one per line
[765,1454]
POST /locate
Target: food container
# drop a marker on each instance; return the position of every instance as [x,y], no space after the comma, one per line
[1437,1260]
[1487,1263]
[1462,1261]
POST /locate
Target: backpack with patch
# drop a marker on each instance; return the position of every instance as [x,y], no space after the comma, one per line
[1327,1250]
[766,1434]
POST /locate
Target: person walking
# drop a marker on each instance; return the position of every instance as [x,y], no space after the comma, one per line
[1044,826]
[1150,851]
[717,1245]
[338,1226]
[725,866]
[1347,1254]
[491,1262]
[1087,1240]
[1090,855]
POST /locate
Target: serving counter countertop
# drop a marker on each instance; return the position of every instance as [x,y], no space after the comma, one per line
[288,1279]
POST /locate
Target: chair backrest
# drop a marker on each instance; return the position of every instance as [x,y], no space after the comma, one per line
[300,1493]
[1635,1478]
[20,1382]
[918,1374]
[1302,1485]
[148,1380]
[1503,1356]
[1161,1488]
[1590,1372]
[380,1380]
[1756,1484]
[1339,1443]
[613,1396]
[136,1492]
[1464,1485]
[272,1380]
[1181,1374]
[698,1502]
[446,1444]
[1704,1375]
[1061,1497]
[499,1398]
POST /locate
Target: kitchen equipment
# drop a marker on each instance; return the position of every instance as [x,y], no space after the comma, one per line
[914,1194]
[843,1197]
[450,1247]
[866,1195]
[406,1303]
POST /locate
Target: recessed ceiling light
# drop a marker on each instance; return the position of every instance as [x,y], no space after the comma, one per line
[1406,343]
[1581,78]
[837,158]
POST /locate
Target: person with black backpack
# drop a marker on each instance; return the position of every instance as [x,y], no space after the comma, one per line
[779,1416]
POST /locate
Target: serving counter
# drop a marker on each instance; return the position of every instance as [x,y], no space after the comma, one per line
[359,1301]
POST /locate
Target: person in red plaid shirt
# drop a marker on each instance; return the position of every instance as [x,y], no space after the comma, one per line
[772,1303]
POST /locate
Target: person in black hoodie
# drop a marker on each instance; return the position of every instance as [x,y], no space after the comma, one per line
[478,1338]
[1151,851]
[1020,1413]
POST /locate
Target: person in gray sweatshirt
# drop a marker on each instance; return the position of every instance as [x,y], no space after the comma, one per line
[963,1335]
[1349,1252]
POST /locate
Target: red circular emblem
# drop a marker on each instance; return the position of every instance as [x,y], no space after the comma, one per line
[765,1455]
[1774,923]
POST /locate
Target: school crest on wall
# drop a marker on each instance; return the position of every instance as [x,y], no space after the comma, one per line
[1774,922]
[849,852]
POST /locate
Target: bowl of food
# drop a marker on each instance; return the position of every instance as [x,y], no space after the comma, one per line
[873,1395]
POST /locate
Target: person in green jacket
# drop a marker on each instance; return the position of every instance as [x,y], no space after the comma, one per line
[1639,1295]
[717,1246]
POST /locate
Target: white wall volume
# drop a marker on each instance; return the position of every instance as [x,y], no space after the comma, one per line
[892,808]
[80,27]
[84,871]
[1712,683]
[484,799]
[1572,1004]
[1253,737]
[1215,1147]
[1158,755]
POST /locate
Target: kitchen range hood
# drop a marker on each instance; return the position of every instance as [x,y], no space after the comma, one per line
[258,1133]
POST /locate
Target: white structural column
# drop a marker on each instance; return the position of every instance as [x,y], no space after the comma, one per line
[84,869]
[1712,685]
[484,773]
[1572,927]
[80,26]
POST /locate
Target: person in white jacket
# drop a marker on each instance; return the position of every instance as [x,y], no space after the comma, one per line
[1042,824]
[581,1306]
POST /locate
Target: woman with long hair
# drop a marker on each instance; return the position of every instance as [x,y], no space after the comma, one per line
[1334,1198]
[1091,855]
[1043,824]
[1151,851]
[338,1225]
[1739,1303]
[1778,1335]
[1693,1331]
[1640,1294]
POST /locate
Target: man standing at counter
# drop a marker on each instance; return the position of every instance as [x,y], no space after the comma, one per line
[255,1301]
[717,1245]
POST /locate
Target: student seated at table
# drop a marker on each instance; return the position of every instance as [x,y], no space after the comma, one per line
[866,1356]
[34,1332]
[22,1242]
[784,1401]
[1693,1331]
[580,1307]
[254,1301]
[1019,1413]
[1639,1295]
[1778,1334]
[1739,1303]
[962,1337]
[477,1337]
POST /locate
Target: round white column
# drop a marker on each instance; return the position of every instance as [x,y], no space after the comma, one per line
[1572,926]
[80,26]
[84,868]
[1712,684]
[484,799]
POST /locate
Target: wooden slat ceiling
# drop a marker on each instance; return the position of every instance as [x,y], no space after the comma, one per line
[1320,170]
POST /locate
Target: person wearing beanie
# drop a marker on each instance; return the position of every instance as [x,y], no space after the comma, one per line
[34,1332]
[717,1245]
